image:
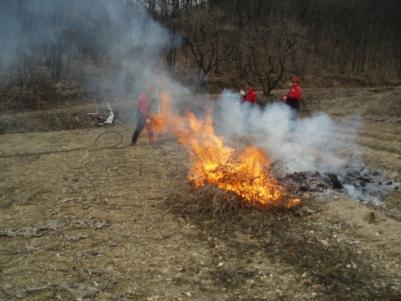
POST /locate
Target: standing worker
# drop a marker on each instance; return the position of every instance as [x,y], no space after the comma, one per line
[142,117]
[249,95]
[294,97]
[248,101]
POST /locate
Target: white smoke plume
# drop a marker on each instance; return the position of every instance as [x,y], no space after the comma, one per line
[112,47]
[315,143]
[129,46]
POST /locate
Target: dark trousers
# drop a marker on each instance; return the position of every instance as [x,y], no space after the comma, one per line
[295,105]
[140,125]
[247,108]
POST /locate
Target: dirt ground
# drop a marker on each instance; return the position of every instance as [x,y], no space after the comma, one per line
[105,224]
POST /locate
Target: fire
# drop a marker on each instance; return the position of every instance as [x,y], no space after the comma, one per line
[244,172]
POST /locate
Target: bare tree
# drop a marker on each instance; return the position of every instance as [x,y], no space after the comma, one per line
[209,46]
[269,52]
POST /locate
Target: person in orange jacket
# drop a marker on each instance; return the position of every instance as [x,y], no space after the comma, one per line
[294,96]
[142,117]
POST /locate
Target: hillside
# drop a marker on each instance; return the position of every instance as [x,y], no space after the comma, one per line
[268,164]
[113,223]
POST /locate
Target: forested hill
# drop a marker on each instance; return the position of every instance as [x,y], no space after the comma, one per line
[354,42]
[51,47]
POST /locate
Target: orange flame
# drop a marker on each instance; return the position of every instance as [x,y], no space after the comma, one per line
[245,172]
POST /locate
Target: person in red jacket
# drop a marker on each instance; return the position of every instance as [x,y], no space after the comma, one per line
[248,101]
[249,95]
[294,96]
[142,117]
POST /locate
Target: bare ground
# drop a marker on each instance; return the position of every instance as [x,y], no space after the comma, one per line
[107,224]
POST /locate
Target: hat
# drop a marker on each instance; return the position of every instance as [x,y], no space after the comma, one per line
[296,79]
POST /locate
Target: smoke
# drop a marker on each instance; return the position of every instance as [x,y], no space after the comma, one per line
[110,47]
[315,143]
[117,46]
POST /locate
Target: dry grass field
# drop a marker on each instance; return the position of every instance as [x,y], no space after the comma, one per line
[107,224]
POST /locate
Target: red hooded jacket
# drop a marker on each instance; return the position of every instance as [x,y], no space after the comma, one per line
[144,103]
[250,96]
[295,92]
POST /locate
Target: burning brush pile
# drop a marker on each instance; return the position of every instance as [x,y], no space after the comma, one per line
[231,178]
[242,173]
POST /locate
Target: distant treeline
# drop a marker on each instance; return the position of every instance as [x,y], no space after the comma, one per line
[47,42]
[352,40]
[50,48]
